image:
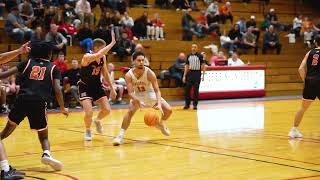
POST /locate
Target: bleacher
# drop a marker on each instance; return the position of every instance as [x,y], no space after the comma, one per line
[281,74]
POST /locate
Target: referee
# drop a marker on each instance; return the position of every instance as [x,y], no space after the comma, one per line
[192,76]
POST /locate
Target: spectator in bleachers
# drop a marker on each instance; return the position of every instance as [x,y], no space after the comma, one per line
[182,5]
[105,20]
[140,26]
[51,18]
[213,23]
[190,27]
[126,21]
[2,9]
[165,4]
[61,64]
[155,29]
[249,41]
[227,43]
[235,36]
[83,10]
[242,25]
[122,6]
[115,19]
[58,41]
[124,46]
[213,9]
[252,23]
[119,88]
[265,24]
[72,76]
[273,18]
[69,15]
[176,71]
[234,60]
[26,11]
[307,37]
[193,5]
[103,33]
[67,29]
[271,40]
[3,99]
[226,13]
[306,24]
[202,20]
[297,24]
[218,59]
[16,27]
[49,3]
[85,37]
[37,35]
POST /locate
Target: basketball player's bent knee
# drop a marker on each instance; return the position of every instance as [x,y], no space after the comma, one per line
[105,110]
[88,113]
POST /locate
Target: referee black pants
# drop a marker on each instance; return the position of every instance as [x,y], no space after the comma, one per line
[193,80]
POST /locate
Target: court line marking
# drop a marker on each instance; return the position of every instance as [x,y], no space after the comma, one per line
[304,177]
[210,152]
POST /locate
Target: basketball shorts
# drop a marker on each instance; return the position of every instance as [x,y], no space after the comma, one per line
[35,111]
[148,101]
[311,89]
[90,92]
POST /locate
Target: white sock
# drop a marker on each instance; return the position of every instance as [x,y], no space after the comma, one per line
[5,165]
[47,152]
[122,131]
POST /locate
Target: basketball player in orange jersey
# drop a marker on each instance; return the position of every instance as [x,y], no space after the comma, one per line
[311,78]
[143,90]
[90,86]
[7,172]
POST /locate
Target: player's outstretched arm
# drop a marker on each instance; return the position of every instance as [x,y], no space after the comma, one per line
[302,68]
[88,58]
[8,73]
[8,56]
[59,96]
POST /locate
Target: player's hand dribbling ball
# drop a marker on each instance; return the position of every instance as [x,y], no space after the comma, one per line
[151,119]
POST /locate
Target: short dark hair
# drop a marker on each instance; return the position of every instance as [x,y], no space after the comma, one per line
[136,54]
[41,49]
[317,40]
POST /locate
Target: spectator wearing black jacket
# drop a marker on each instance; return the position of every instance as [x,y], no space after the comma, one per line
[70,16]
[271,40]
[140,26]
[124,46]
[85,37]
[235,35]
[252,23]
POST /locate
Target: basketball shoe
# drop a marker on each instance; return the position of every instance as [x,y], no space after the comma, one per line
[99,127]
[164,130]
[294,133]
[48,160]
[87,135]
[117,141]
[12,174]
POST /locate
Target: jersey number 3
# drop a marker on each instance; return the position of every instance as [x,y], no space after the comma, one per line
[37,73]
[315,59]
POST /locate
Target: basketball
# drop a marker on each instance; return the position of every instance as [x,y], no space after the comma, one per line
[151,119]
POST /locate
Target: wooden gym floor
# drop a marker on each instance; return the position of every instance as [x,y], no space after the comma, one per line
[222,140]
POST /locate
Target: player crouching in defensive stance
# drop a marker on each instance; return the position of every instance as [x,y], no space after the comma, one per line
[143,90]
[39,77]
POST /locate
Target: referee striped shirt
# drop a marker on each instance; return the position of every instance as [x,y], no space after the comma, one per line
[195,61]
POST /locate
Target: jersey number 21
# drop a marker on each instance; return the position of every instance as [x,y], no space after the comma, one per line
[37,73]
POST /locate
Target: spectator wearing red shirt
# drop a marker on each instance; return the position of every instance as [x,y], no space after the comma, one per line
[61,64]
[155,30]
[203,21]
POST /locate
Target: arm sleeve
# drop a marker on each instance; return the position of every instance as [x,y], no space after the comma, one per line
[21,66]
[56,73]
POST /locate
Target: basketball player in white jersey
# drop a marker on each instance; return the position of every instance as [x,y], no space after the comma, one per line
[143,90]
